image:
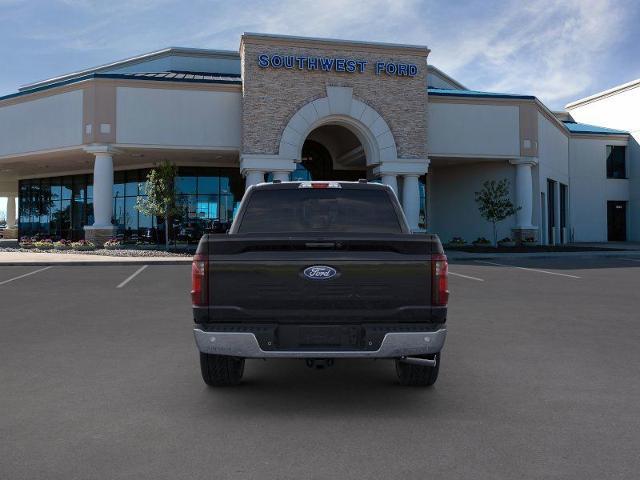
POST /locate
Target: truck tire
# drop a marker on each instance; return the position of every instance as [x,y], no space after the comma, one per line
[417,375]
[221,370]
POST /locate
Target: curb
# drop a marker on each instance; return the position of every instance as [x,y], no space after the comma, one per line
[546,255]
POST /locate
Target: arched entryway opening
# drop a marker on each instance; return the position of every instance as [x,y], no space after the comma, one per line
[338,137]
[331,152]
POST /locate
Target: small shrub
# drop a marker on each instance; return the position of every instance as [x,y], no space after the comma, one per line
[457,241]
[26,242]
[46,244]
[113,244]
[481,241]
[62,245]
[507,242]
[83,245]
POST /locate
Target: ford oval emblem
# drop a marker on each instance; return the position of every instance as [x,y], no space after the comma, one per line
[320,272]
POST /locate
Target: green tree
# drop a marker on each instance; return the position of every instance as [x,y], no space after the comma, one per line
[161,198]
[494,203]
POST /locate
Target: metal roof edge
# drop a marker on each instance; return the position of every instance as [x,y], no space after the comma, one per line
[124,76]
[476,94]
[605,93]
[599,130]
[132,61]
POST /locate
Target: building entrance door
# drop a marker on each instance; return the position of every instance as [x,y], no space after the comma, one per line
[331,152]
[617,221]
[551,212]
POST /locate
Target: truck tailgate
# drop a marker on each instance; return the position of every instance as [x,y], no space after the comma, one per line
[377,278]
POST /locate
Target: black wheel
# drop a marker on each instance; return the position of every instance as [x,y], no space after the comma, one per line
[418,375]
[221,370]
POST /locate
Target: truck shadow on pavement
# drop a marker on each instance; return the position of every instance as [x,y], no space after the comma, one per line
[353,387]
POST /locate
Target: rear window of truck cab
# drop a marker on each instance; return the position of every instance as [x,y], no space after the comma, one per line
[320,210]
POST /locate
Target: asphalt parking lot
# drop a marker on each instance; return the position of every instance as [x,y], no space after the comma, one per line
[540,379]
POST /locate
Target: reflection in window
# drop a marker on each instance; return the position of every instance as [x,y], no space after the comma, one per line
[616,161]
[422,219]
[60,207]
[186,184]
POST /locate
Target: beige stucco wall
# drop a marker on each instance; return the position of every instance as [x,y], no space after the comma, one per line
[451,199]
[620,110]
[466,129]
[54,121]
[177,117]
[271,96]
[590,189]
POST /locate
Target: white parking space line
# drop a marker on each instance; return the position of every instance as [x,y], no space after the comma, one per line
[25,275]
[132,276]
[528,269]
[466,276]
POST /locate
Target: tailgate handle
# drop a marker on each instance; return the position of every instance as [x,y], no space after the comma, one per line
[320,244]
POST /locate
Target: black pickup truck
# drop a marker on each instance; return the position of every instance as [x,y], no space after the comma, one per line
[319,271]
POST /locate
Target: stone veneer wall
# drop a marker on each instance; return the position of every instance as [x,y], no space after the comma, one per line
[271,96]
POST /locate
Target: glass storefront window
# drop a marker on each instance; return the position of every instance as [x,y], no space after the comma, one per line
[90,186]
[60,207]
[131,214]
[90,217]
[423,221]
[300,174]
[208,185]
[186,185]
[206,207]
[53,186]
[131,185]
[65,219]
[79,188]
[227,208]
[118,213]
[67,188]
[145,221]
[118,184]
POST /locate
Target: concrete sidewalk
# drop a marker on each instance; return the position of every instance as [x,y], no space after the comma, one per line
[33,258]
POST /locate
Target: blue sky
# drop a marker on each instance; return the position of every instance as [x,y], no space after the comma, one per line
[557,50]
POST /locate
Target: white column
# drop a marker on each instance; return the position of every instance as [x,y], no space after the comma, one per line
[282,176]
[408,189]
[102,186]
[103,189]
[411,200]
[392,181]
[253,177]
[524,193]
[11,212]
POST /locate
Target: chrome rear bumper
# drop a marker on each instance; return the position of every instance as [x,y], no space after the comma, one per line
[394,345]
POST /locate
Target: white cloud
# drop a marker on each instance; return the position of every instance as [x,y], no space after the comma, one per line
[546,48]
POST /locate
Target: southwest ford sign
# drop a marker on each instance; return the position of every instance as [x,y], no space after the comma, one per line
[333,64]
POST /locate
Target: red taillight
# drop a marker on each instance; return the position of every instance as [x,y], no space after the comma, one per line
[199,290]
[439,280]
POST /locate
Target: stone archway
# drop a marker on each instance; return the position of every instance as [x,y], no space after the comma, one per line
[340,108]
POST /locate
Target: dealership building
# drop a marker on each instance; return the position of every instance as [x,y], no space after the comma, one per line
[76,149]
